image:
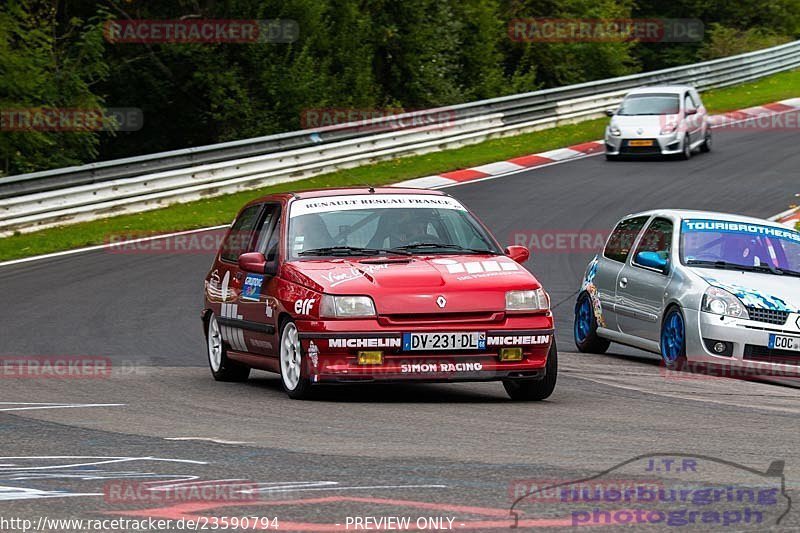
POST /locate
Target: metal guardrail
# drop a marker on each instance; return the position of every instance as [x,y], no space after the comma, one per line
[44,199]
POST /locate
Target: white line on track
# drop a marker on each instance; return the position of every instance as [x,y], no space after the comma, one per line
[109,245]
[103,461]
[209,439]
[29,406]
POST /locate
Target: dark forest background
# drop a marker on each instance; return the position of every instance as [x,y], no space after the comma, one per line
[363,54]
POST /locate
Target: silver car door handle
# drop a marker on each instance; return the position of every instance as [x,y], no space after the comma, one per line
[623,282]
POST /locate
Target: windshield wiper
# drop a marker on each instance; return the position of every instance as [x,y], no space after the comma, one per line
[769,269]
[434,245]
[351,250]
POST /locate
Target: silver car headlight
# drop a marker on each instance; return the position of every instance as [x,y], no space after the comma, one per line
[721,302]
[534,300]
[669,128]
[615,131]
[346,306]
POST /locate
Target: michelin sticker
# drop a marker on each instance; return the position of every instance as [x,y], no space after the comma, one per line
[379,342]
[252,287]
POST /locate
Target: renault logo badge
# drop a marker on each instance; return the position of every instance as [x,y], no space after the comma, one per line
[441,302]
[640,131]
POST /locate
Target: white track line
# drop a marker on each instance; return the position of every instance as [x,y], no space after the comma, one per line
[35,406]
[109,245]
[208,439]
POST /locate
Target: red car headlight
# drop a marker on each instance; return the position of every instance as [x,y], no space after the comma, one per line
[346,306]
[533,300]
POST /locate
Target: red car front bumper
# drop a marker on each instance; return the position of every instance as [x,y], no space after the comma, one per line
[332,352]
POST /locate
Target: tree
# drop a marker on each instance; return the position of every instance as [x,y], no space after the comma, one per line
[51,65]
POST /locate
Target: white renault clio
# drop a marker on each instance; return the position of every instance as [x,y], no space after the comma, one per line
[660,120]
[696,286]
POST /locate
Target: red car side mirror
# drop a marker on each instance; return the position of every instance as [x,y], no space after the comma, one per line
[253,262]
[520,254]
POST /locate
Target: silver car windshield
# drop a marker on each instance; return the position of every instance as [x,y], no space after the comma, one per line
[740,246]
[650,104]
[385,229]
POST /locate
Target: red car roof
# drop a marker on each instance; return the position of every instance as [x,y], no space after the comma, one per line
[320,193]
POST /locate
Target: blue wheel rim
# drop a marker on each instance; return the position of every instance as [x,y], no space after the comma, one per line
[583,320]
[673,336]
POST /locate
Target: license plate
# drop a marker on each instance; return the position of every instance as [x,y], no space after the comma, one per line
[782,342]
[444,341]
[640,143]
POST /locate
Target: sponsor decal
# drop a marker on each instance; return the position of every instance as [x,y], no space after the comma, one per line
[313,354]
[219,291]
[233,336]
[303,307]
[479,267]
[517,340]
[591,289]
[372,201]
[379,342]
[252,287]
[753,298]
[354,273]
[723,226]
[258,343]
[426,368]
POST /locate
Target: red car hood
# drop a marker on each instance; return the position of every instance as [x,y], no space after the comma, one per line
[469,283]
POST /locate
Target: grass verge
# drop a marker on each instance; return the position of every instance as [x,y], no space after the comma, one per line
[220,210]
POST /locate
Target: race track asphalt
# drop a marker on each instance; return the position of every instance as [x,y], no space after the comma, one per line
[428,450]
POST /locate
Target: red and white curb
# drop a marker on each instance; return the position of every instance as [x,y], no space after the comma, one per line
[577,151]
[505,167]
[790,218]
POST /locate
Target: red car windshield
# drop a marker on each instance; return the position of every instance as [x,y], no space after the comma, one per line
[436,224]
[734,244]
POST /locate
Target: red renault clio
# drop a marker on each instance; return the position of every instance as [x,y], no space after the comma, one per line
[375,285]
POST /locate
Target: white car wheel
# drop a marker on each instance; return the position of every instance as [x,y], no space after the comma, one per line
[214,344]
[291,359]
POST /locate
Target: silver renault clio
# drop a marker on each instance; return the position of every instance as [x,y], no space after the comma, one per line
[658,120]
[699,287]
